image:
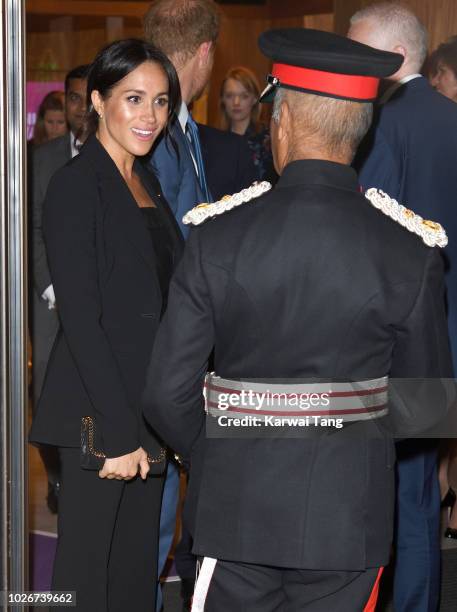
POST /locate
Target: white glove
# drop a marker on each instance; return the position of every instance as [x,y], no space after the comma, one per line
[50,297]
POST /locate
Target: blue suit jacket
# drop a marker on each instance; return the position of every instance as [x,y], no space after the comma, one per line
[411,154]
[177,175]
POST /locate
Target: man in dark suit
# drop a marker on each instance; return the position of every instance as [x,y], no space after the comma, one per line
[228,161]
[47,159]
[305,282]
[411,156]
[187,31]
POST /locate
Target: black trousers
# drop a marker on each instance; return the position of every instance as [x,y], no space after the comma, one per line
[107,539]
[256,588]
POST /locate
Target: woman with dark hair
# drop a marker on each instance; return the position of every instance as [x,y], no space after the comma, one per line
[50,122]
[112,244]
[442,66]
[240,113]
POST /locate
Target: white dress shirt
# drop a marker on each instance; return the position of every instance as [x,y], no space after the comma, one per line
[183,116]
[75,145]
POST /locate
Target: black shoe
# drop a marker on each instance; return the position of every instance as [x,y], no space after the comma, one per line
[187,605]
[450,533]
[449,503]
[52,498]
[449,499]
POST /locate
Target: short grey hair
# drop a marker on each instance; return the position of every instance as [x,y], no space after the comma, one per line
[337,125]
[397,23]
[277,101]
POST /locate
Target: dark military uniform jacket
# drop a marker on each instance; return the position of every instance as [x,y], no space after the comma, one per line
[308,280]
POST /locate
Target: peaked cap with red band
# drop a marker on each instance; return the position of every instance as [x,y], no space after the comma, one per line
[326,64]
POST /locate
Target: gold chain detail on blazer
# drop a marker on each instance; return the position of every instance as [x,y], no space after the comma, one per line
[89,424]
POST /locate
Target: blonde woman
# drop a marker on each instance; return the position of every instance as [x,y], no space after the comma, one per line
[51,122]
[240,113]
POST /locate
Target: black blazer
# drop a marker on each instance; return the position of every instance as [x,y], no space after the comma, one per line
[103,269]
[308,281]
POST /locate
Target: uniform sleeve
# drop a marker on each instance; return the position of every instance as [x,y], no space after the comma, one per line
[70,236]
[422,341]
[422,386]
[173,400]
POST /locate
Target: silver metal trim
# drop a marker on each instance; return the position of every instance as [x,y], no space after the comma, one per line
[3,328]
[13,297]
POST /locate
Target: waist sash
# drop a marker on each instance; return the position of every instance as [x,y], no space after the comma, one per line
[350,401]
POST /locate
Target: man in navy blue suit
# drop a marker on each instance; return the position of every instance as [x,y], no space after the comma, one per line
[187,31]
[411,155]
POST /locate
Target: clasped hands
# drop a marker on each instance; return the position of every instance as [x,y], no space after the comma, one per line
[127,466]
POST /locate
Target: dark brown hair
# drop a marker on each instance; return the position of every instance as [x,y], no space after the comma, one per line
[445,54]
[116,61]
[80,72]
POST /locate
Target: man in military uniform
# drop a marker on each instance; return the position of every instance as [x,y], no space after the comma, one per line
[306,281]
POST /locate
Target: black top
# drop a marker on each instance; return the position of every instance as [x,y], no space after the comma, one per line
[163,247]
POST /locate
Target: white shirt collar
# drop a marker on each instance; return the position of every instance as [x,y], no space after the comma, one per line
[73,142]
[393,88]
[183,116]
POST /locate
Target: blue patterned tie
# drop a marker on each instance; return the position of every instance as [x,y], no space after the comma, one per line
[192,133]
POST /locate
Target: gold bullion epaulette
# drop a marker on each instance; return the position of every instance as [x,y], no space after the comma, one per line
[433,234]
[205,211]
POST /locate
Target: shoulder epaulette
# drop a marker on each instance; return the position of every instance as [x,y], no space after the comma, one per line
[200,213]
[433,234]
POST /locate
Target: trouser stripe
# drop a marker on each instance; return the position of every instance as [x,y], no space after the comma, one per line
[371,604]
[202,585]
